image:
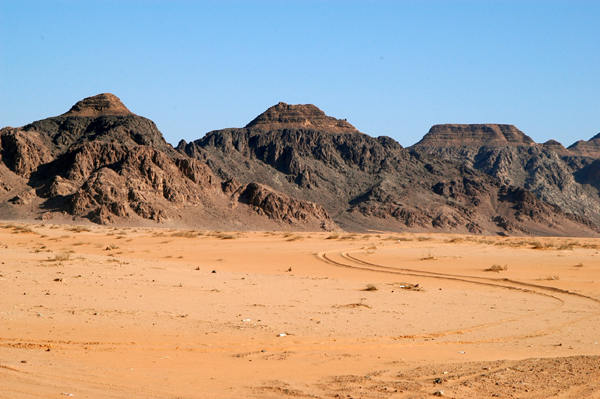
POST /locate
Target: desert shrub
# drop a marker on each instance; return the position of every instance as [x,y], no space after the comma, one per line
[224,236]
[79,229]
[348,237]
[62,256]
[428,256]
[424,238]
[187,233]
[371,287]
[496,268]
[333,236]
[409,286]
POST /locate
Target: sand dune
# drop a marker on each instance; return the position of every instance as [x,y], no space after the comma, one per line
[97,312]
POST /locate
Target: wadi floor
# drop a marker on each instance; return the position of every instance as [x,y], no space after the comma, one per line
[97,312]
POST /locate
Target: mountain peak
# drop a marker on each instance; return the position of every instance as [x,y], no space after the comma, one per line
[489,134]
[99,105]
[303,116]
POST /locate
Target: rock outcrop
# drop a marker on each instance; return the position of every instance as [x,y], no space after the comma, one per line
[452,135]
[368,183]
[546,170]
[589,148]
[102,162]
[99,105]
[293,167]
[286,116]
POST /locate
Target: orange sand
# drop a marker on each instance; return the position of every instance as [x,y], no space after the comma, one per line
[100,312]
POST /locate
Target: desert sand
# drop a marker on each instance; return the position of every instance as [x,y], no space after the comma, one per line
[110,312]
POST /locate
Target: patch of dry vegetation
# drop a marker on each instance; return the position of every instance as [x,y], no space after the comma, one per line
[409,286]
[187,233]
[497,268]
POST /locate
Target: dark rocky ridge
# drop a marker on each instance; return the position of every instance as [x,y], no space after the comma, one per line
[549,171]
[101,162]
[368,183]
[292,167]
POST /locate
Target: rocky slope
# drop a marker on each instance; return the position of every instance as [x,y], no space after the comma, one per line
[101,162]
[368,183]
[293,167]
[549,171]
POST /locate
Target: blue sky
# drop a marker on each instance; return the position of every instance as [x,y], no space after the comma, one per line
[391,68]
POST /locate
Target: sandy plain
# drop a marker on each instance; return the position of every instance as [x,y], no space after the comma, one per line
[98,312]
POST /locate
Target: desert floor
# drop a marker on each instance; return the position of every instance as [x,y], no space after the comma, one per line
[97,312]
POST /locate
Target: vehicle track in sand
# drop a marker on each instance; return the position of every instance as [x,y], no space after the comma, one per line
[581,307]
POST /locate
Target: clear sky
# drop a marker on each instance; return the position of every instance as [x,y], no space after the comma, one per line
[392,68]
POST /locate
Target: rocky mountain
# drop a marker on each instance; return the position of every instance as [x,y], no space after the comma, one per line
[293,167]
[99,161]
[551,172]
[368,183]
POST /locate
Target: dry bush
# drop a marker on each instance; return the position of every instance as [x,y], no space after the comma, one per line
[371,287]
[79,229]
[409,286]
[580,265]
[187,233]
[23,230]
[429,256]
[566,246]
[333,236]
[224,236]
[111,247]
[348,237]
[63,256]
[295,238]
[497,268]
[424,238]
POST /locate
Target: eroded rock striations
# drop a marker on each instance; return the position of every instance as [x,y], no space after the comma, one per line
[102,162]
[368,183]
[551,172]
[294,167]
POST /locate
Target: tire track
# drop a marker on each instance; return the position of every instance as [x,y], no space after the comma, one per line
[553,293]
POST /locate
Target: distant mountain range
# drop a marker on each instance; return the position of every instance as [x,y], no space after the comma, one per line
[295,168]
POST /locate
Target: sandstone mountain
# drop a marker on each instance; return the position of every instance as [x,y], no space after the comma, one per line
[293,167]
[101,162]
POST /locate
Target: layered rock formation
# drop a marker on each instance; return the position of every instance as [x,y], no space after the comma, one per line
[293,167]
[368,183]
[547,170]
[101,162]
[450,135]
